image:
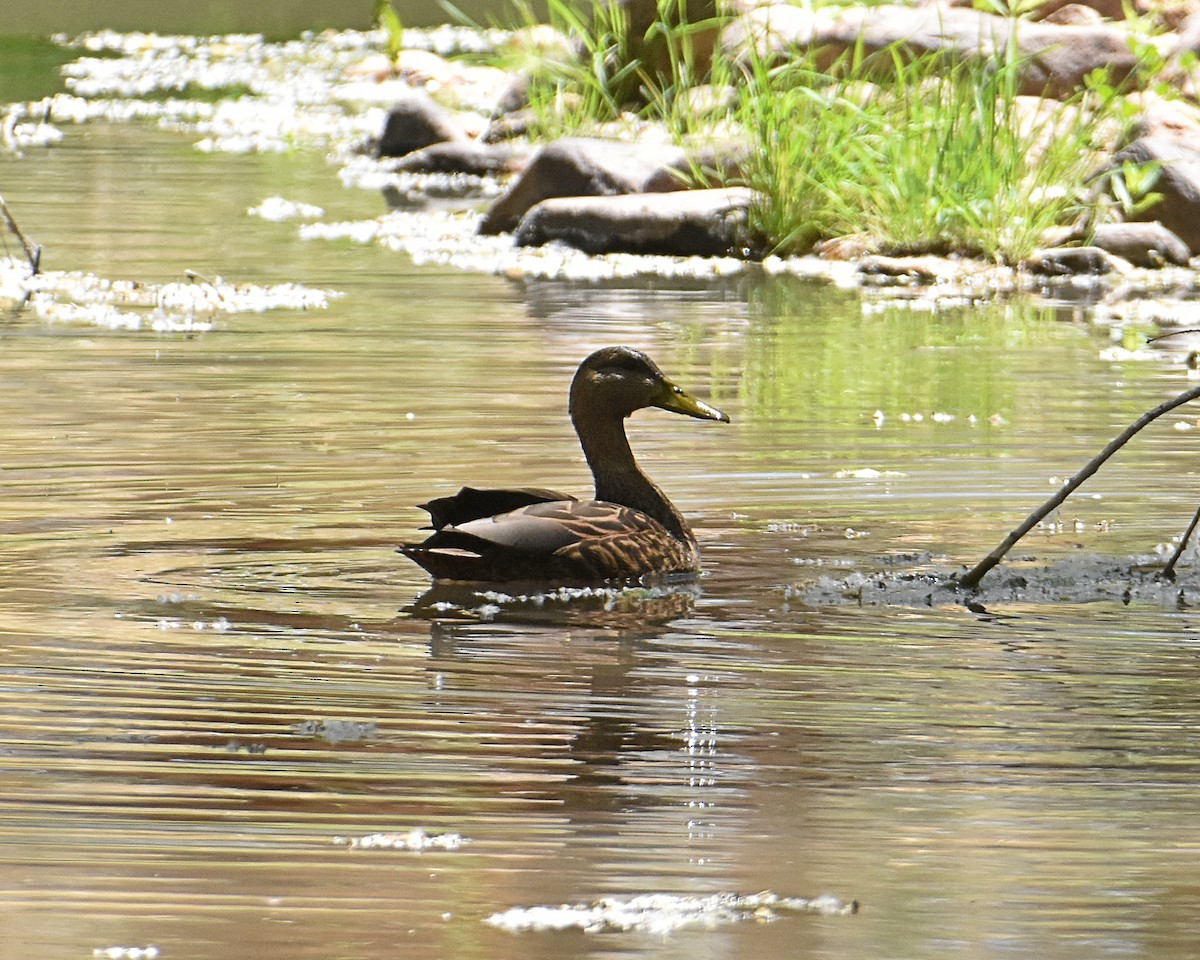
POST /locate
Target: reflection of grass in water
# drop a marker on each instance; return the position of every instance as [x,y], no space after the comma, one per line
[198,93]
[820,354]
[29,68]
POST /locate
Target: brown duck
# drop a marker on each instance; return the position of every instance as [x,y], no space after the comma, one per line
[628,531]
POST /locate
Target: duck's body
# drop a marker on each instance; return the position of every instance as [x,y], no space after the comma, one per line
[630,530]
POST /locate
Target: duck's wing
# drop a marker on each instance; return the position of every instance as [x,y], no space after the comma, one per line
[473,503]
[564,541]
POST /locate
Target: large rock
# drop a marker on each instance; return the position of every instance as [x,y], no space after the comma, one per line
[1106,9]
[1143,244]
[1056,57]
[1170,117]
[416,122]
[1072,261]
[1178,183]
[706,223]
[577,167]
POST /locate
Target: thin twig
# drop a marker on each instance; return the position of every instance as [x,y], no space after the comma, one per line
[1168,572]
[1173,333]
[33,251]
[971,579]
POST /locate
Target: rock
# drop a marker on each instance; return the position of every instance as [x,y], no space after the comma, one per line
[422,67]
[515,96]
[921,270]
[578,167]
[1056,58]
[1069,261]
[772,32]
[1173,118]
[509,126]
[850,246]
[706,223]
[1079,11]
[375,66]
[415,122]
[1075,15]
[541,42]
[467,156]
[1178,183]
[1142,244]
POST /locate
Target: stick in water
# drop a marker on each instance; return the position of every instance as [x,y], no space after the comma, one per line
[1168,571]
[971,578]
[33,251]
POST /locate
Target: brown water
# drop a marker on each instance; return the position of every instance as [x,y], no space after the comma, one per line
[212,681]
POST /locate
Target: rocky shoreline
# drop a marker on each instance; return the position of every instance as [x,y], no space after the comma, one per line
[433,130]
[542,203]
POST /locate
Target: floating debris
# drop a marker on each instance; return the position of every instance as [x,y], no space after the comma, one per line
[76,297]
[663,913]
[416,840]
[243,94]
[279,208]
[868,473]
[126,953]
[337,731]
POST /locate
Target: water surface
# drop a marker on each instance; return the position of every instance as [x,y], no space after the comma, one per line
[214,681]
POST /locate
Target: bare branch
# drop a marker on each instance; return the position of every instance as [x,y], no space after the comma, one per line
[33,251]
[971,578]
[1168,572]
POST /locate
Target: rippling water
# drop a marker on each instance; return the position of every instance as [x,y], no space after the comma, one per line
[216,686]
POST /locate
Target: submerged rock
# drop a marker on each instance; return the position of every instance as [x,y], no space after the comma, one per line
[704,223]
[466,156]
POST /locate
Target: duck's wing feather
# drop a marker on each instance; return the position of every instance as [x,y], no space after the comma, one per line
[562,540]
[474,503]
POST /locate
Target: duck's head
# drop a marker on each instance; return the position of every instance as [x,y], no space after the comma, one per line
[619,380]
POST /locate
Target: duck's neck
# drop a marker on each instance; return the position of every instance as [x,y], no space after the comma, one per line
[618,477]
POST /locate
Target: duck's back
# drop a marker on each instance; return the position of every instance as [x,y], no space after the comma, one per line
[562,541]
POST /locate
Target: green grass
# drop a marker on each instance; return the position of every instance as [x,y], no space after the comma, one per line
[932,154]
[610,81]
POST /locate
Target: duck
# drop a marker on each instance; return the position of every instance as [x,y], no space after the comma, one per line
[628,532]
